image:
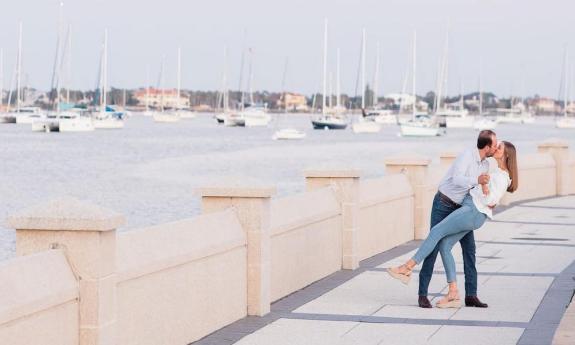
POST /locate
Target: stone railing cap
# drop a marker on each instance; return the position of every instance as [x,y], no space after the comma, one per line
[448,154]
[554,142]
[237,187]
[332,172]
[66,214]
[407,159]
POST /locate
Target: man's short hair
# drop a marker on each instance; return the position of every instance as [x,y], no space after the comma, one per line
[485,138]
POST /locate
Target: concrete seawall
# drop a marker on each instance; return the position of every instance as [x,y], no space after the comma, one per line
[77,281]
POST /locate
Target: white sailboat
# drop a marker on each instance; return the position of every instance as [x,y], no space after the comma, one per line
[482,122]
[286,133]
[183,113]
[364,123]
[452,117]
[11,116]
[223,97]
[327,120]
[255,115]
[418,126]
[565,122]
[104,119]
[375,112]
[162,116]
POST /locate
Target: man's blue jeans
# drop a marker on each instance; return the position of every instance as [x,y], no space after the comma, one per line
[439,211]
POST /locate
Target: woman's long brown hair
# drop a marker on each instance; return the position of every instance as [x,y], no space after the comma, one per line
[510,156]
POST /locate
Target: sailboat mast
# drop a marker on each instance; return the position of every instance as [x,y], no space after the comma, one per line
[105,71]
[480,89]
[323,103]
[19,68]
[376,77]
[363,69]
[1,77]
[414,71]
[225,80]
[179,78]
[251,78]
[147,88]
[162,83]
[566,83]
[69,64]
[330,91]
[337,83]
[461,95]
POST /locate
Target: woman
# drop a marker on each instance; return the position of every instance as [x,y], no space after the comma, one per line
[476,207]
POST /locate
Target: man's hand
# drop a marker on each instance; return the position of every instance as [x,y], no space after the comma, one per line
[483,179]
[485,189]
[491,206]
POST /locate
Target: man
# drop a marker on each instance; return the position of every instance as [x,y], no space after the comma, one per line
[469,169]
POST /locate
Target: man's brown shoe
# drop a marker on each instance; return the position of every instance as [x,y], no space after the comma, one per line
[424,302]
[473,301]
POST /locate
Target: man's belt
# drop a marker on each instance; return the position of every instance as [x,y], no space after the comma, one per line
[447,199]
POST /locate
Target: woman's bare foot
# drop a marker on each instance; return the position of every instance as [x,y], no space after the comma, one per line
[401,273]
[451,300]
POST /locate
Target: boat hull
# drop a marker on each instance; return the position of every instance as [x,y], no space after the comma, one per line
[565,123]
[7,119]
[484,124]
[328,125]
[407,130]
[76,125]
[257,121]
[288,134]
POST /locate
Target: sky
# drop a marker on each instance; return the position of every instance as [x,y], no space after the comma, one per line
[519,44]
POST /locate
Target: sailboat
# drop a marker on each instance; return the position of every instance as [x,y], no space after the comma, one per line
[375,112]
[482,122]
[418,126]
[286,133]
[24,115]
[451,117]
[364,123]
[162,116]
[565,122]
[182,113]
[255,115]
[21,115]
[105,118]
[327,120]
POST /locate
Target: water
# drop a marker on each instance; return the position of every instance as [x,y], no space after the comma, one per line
[149,171]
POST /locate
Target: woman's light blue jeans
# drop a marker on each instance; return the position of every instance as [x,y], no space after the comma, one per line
[448,232]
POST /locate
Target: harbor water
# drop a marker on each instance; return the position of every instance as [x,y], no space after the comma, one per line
[150,171]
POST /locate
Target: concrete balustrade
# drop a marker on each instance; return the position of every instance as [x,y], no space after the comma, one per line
[252,207]
[38,300]
[76,281]
[306,240]
[537,178]
[559,150]
[346,187]
[416,169]
[447,158]
[385,215]
[182,280]
[87,235]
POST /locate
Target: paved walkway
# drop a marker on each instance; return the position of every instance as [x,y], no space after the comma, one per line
[526,265]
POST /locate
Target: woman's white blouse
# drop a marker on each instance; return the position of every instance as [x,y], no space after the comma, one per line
[498,183]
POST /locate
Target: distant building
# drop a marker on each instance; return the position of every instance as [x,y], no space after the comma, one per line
[544,105]
[157,98]
[293,102]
